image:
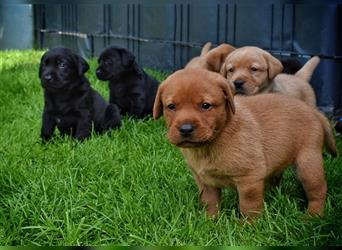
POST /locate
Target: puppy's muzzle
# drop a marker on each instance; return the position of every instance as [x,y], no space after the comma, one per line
[186,129]
[101,75]
[239,84]
[47,78]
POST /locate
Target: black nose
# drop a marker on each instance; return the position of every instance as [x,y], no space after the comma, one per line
[98,71]
[186,129]
[238,83]
[47,77]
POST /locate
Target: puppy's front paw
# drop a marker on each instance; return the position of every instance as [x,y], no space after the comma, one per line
[213,211]
[45,137]
[82,137]
[112,117]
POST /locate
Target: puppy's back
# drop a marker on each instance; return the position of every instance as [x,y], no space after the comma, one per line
[288,123]
[274,108]
[296,87]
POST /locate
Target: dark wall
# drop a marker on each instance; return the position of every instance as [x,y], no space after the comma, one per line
[16,21]
[166,34]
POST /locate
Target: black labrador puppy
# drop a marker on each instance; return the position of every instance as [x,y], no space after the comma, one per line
[71,104]
[129,86]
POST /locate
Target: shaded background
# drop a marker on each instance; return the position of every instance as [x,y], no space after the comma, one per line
[165,34]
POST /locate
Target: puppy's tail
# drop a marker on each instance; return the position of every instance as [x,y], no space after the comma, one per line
[329,139]
[307,70]
[206,48]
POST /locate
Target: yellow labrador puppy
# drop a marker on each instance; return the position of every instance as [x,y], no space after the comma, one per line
[251,70]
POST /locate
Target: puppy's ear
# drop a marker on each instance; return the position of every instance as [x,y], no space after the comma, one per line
[158,104]
[216,57]
[274,65]
[223,70]
[228,93]
[82,65]
[127,58]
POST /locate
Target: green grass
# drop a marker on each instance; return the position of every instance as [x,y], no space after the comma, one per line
[130,187]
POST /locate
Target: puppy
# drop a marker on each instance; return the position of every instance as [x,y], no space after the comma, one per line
[71,104]
[211,60]
[251,70]
[243,142]
[130,88]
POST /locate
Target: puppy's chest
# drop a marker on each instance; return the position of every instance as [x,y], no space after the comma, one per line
[69,106]
[211,170]
[118,90]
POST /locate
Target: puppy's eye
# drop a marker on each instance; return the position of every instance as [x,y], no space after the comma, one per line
[61,65]
[206,106]
[171,106]
[108,62]
[231,70]
[254,69]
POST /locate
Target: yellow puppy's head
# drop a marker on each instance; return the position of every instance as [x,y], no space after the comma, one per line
[250,69]
[196,105]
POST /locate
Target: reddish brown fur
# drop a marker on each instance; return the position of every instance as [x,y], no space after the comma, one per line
[245,142]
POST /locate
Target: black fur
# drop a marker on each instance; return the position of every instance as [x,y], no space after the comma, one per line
[71,104]
[129,86]
[291,65]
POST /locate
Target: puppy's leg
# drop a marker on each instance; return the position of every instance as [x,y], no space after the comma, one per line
[310,172]
[137,106]
[112,117]
[65,131]
[48,127]
[112,99]
[251,197]
[83,128]
[209,196]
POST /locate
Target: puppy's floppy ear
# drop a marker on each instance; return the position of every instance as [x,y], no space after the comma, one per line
[158,104]
[223,70]
[127,58]
[228,93]
[216,57]
[82,65]
[274,65]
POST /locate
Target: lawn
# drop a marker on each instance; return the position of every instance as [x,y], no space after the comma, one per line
[129,187]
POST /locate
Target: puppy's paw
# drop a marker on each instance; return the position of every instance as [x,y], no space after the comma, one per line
[45,138]
[112,117]
[82,136]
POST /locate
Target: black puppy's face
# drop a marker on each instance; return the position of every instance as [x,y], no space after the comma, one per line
[61,68]
[112,62]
